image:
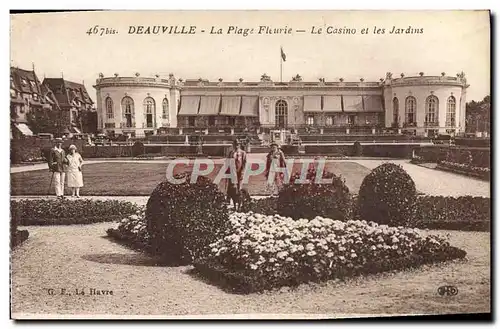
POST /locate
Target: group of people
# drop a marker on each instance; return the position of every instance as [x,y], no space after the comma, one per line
[275,155]
[65,165]
[70,165]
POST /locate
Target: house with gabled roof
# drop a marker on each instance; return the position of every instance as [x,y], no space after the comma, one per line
[27,94]
[72,98]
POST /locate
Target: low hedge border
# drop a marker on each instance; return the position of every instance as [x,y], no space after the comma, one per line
[18,237]
[66,212]
[241,283]
[69,220]
[466,172]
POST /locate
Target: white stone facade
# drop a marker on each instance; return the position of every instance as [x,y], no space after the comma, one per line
[135,105]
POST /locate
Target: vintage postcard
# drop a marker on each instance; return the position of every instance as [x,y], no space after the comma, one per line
[250,164]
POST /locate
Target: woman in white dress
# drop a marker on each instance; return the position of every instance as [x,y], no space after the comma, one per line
[74,174]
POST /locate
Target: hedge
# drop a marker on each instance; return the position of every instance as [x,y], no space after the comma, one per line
[481,157]
[66,212]
[465,213]
[473,142]
[462,169]
[35,149]
[369,150]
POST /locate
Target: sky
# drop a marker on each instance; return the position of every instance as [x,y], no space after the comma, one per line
[451,42]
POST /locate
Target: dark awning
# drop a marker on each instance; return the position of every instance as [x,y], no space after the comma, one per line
[189,105]
[312,104]
[373,103]
[209,105]
[353,103]
[250,106]
[231,105]
[332,104]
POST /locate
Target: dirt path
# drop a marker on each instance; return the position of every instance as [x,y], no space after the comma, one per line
[79,257]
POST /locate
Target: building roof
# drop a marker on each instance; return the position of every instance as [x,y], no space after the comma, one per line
[67,91]
[24,81]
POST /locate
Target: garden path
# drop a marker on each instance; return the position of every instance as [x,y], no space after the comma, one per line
[80,257]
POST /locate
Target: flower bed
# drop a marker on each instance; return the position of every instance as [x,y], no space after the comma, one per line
[132,231]
[462,168]
[417,159]
[465,213]
[66,212]
[263,252]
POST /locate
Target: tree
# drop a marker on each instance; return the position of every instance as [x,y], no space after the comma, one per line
[43,120]
[87,121]
[478,115]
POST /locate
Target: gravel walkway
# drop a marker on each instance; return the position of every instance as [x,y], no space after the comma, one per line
[79,257]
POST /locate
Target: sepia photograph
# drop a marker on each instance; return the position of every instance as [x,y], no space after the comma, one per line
[250,164]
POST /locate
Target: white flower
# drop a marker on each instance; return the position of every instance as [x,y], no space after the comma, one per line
[282,254]
[309,246]
[311,253]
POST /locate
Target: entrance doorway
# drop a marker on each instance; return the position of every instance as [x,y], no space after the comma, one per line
[281,114]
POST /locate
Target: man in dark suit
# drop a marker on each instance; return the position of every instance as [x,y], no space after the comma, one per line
[57,162]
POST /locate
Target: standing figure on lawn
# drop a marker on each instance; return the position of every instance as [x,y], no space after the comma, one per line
[57,163]
[75,176]
[275,158]
[234,190]
[240,160]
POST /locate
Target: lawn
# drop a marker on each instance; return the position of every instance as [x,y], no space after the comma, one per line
[115,179]
[140,287]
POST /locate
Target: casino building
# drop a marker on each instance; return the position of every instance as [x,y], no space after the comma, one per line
[420,104]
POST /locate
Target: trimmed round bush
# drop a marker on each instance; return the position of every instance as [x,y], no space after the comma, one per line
[311,199]
[387,196]
[183,219]
[138,148]
[358,149]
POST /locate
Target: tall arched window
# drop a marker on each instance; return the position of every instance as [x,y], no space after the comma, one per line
[165,109]
[395,109]
[128,110]
[450,111]
[410,109]
[281,113]
[149,111]
[109,108]
[431,109]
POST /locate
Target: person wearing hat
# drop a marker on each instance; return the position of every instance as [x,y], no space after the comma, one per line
[57,161]
[277,157]
[240,160]
[74,173]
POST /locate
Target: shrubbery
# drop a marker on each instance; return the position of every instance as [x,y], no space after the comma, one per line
[311,199]
[66,212]
[464,213]
[16,236]
[132,231]
[387,196]
[262,252]
[480,172]
[183,219]
[358,149]
[138,149]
